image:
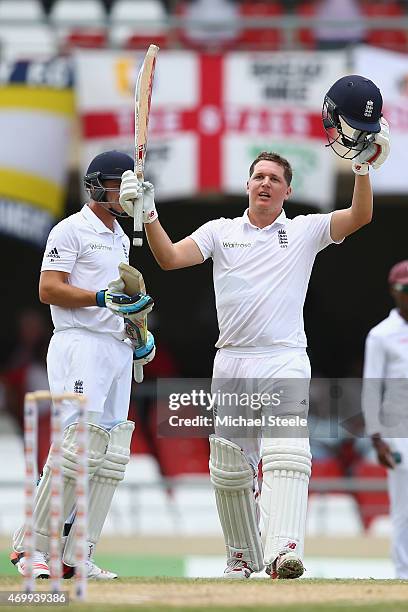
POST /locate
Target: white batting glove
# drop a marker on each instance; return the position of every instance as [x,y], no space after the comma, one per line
[117,285]
[376,153]
[149,207]
[130,190]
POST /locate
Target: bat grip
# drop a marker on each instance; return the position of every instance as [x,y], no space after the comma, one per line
[138,373]
[138,222]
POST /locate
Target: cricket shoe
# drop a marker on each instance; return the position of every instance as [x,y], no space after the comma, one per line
[40,564]
[94,572]
[237,570]
[287,565]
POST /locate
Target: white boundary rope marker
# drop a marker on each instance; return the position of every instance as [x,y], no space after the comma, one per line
[55,526]
[143,97]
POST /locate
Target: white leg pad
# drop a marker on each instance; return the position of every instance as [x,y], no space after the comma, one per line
[102,488]
[287,466]
[233,480]
[98,439]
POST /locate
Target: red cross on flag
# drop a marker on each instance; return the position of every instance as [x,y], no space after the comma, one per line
[212,114]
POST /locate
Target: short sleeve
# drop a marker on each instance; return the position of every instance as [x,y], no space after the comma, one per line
[204,237]
[61,251]
[319,230]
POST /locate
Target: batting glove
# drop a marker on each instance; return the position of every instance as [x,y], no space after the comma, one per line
[145,353]
[117,286]
[138,304]
[130,191]
[149,206]
[376,153]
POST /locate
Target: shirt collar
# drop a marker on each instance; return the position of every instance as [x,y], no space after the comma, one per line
[280,220]
[97,224]
[394,314]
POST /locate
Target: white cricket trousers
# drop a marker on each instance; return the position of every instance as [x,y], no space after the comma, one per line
[398,490]
[283,374]
[97,365]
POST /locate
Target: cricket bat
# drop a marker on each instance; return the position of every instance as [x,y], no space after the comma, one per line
[143,96]
[135,328]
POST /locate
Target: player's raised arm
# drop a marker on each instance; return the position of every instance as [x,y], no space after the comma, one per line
[356,130]
[169,256]
[347,221]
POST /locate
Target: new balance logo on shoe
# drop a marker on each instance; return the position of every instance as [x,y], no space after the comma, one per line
[53,255]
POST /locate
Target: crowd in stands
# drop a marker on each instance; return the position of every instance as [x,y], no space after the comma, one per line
[205,25]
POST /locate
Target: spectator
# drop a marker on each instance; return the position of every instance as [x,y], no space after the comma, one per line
[220,24]
[33,334]
[338,35]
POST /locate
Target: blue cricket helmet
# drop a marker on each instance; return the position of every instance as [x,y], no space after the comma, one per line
[105,166]
[354,102]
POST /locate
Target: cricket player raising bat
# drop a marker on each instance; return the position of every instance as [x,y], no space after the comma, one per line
[260,287]
[90,353]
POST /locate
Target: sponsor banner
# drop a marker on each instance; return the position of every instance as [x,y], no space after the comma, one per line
[211,115]
[36,109]
[276,101]
[312,165]
[389,71]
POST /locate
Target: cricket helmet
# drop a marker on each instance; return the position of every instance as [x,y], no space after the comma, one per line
[105,166]
[351,114]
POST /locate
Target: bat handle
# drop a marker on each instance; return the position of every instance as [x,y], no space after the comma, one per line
[138,373]
[138,222]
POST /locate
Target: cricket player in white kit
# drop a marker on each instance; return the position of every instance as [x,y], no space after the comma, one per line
[384,403]
[90,354]
[262,263]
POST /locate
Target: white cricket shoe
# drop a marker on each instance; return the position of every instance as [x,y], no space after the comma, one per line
[96,573]
[287,565]
[237,570]
[40,564]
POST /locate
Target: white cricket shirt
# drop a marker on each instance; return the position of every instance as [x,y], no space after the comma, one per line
[90,252]
[261,277]
[385,401]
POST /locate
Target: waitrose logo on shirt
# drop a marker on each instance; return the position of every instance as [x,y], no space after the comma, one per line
[236,245]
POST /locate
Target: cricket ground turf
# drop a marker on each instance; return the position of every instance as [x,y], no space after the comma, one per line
[202,595]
